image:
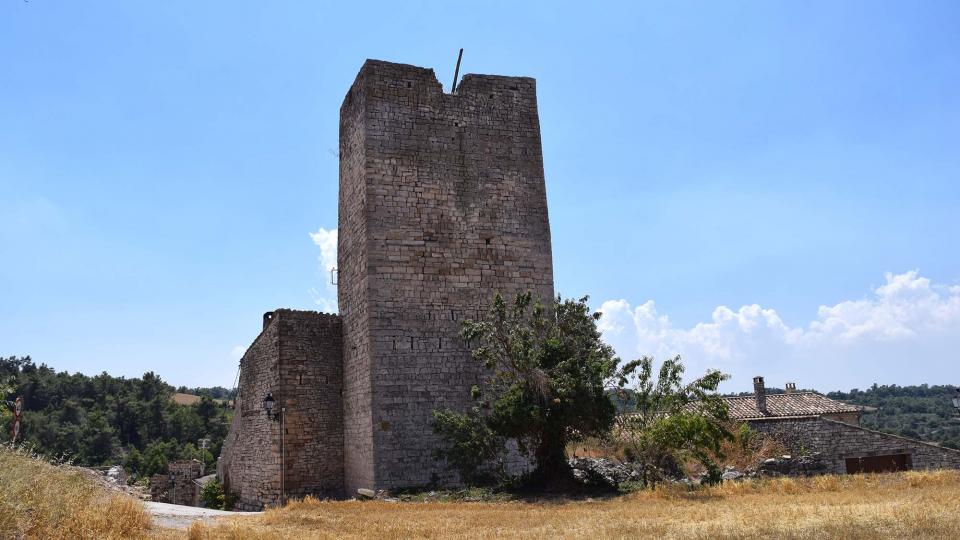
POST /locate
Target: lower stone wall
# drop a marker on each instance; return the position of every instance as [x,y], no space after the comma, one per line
[178,486]
[297,359]
[838,441]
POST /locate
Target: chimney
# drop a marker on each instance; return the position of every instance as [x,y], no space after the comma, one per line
[760,392]
[267,317]
[790,388]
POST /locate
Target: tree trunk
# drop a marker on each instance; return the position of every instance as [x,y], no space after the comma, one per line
[552,463]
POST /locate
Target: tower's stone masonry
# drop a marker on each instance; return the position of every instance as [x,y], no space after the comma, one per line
[297,359]
[442,205]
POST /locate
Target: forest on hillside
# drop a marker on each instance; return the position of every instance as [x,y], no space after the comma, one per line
[920,412]
[105,420]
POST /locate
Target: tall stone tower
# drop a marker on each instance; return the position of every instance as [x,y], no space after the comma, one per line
[442,205]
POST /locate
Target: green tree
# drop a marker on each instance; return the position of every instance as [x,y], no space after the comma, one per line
[547,371]
[97,440]
[673,422]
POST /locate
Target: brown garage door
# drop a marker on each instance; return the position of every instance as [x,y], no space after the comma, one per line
[877,464]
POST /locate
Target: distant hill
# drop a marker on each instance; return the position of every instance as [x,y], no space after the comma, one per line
[920,412]
[98,420]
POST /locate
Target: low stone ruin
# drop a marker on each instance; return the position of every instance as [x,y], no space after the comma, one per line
[178,486]
[603,472]
[809,465]
[607,472]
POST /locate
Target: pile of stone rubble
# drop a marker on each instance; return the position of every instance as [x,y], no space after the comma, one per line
[601,471]
[809,465]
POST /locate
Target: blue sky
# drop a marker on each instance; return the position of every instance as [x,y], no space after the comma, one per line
[765,187]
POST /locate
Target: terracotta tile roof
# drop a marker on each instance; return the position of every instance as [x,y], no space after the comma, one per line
[794,404]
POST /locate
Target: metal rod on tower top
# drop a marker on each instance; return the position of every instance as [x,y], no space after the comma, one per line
[456,73]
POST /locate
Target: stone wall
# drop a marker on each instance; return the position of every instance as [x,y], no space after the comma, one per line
[297,359]
[852,418]
[177,486]
[352,284]
[837,441]
[442,205]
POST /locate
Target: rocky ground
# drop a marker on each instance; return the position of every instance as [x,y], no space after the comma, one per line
[174,516]
[602,471]
[114,479]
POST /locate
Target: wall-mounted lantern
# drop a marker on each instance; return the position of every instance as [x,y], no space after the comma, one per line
[268,403]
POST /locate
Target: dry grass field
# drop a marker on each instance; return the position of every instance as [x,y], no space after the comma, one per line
[38,500]
[905,505]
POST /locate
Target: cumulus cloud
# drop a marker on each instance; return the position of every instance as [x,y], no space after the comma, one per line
[906,331]
[326,240]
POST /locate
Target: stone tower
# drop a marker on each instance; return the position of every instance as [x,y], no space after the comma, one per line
[442,205]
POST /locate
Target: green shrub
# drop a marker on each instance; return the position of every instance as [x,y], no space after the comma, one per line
[213,495]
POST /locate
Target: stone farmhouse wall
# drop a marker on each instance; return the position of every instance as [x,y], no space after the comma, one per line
[852,418]
[838,441]
[442,205]
[297,358]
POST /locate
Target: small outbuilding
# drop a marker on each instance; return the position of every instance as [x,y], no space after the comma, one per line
[807,422]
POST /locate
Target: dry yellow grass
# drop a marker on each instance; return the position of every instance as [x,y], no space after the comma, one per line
[904,505]
[38,500]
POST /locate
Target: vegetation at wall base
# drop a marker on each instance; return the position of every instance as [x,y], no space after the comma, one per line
[550,381]
[212,495]
[546,376]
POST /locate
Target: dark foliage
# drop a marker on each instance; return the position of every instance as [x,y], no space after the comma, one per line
[103,419]
[920,412]
[547,372]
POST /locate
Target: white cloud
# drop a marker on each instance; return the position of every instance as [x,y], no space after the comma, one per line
[906,331]
[326,240]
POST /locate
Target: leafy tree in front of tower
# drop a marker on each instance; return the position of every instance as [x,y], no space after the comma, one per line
[548,372]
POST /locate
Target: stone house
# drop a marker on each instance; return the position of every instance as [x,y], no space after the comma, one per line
[179,485]
[790,404]
[807,422]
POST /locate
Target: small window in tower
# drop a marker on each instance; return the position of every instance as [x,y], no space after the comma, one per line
[487,240]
